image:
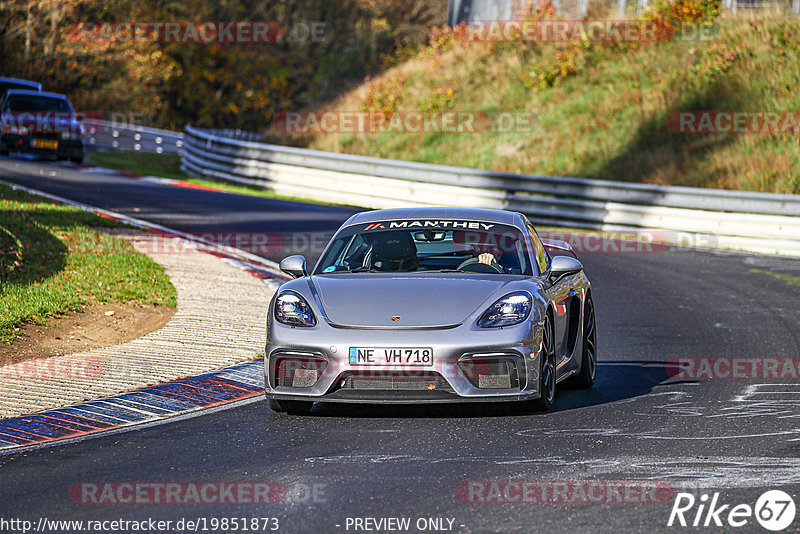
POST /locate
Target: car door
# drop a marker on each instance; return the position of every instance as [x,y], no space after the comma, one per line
[566,303]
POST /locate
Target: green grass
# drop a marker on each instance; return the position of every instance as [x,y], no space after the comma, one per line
[168,165]
[790,279]
[52,260]
[603,116]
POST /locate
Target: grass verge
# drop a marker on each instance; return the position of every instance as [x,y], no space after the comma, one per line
[52,261]
[790,279]
[166,165]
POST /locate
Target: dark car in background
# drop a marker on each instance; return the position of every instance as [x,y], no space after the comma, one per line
[40,123]
[7,84]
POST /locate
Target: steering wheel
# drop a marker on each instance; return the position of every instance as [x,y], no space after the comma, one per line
[474,265]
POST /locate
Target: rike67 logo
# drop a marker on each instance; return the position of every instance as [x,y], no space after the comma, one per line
[774,510]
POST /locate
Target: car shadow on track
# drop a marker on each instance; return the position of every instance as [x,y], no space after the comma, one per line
[616,381]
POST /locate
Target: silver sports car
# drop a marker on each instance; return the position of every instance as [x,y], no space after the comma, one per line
[424,305]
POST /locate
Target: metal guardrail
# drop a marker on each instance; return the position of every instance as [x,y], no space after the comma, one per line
[485,10]
[119,136]
[231,133]
[760,222]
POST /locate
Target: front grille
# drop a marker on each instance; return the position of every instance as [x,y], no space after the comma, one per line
[396,381]
[491,373]
[297,371]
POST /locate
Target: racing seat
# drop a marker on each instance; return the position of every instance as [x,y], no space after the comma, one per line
[509,261]
[393,251]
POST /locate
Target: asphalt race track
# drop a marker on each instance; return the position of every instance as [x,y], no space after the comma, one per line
[737,437]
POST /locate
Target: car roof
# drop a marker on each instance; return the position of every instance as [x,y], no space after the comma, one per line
[20,81]
[28,92]
[469,214]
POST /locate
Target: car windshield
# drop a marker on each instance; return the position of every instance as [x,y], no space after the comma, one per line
[428,246]
[31,103]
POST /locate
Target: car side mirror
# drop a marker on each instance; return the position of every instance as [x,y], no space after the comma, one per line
[564,265]
[294,266]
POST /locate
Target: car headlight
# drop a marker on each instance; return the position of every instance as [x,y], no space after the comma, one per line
[293,310]
[509,310]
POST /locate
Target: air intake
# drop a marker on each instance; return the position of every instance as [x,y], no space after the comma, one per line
[491,373]
[395,381]
[297,371]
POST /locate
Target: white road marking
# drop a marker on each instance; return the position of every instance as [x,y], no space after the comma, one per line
[725,472]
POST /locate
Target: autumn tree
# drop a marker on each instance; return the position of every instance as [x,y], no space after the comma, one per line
[210,84]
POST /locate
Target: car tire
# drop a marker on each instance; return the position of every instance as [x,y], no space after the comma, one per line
[585,378]
[290,407]
[276,406]
[547,371]
[77,159]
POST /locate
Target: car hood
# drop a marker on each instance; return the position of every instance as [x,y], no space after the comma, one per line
[371,301]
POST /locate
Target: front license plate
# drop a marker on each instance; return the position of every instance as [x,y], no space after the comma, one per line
[48,144]
[420,356]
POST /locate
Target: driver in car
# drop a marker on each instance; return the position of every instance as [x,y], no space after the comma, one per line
[489,255]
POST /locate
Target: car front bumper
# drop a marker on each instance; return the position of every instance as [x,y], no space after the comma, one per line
[469,364]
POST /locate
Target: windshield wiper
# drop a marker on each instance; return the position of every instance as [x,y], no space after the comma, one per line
[370,270]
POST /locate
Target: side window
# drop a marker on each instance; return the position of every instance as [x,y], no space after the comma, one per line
[539,252]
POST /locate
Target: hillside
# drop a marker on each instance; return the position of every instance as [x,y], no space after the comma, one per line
[601,109]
